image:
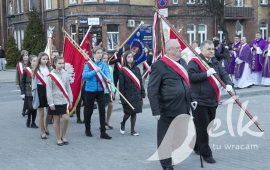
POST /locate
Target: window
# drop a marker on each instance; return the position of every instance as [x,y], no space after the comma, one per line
[220,34]
[264,2]
[18,7]
[73,32]
[22,34]
[175,1]
[264,30]
[72,1]
[190,1]
[202,33]
[22,6]
[112,36]
[202,2]
[191,30]
[239,3]
[240,32]
[31,4]
[19,40]
[15,37]
[48,4]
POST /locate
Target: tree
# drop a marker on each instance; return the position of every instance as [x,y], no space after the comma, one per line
[34,41]
[217,9]
[12,54]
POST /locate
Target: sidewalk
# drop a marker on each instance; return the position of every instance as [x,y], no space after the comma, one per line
[8,76]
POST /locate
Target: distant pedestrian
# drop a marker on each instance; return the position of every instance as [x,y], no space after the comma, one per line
[59,96]
[26,89]
[130,85]
[2,59]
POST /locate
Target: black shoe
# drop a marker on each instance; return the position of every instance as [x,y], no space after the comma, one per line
[210,160]
[105,136]
[110,127]
[79,121]
[43,137]
[95,106]
[60,144]
[28,123]
[65,142]
[71,115]
[88,133]
[47,133]
[33,125]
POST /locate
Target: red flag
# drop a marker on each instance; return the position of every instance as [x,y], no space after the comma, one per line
[86,45]
[74,62]
[187,54]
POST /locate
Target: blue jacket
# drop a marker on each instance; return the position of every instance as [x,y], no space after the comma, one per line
[92,85]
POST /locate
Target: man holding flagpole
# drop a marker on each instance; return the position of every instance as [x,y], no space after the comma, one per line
[205,90]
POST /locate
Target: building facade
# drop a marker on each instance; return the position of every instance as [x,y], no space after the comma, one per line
[113,20]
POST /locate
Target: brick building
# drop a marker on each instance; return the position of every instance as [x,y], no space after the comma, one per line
[113,20]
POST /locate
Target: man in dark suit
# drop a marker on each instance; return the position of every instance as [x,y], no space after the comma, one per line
[168,93]
[119,52]
[206,92]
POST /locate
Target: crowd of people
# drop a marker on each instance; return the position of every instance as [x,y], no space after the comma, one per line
[173,86]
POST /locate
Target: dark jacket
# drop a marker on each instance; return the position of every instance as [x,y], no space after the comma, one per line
[221,55]
[183,63]
[26,82]
[168,93]
[130,91]
[119,54]
[149,60]
[2,54]
[201,89]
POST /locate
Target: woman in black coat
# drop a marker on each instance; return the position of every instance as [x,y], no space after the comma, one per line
[133,92]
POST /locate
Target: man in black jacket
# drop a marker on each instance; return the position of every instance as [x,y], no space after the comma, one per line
[116,70]
[223,54]
[206,92]
[169,96]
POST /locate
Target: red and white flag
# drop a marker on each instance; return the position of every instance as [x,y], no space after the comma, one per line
[85,44]
[155,41]
[20,68]
[168,33]
[74,62]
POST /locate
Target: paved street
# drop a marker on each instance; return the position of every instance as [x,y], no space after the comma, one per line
[22,148]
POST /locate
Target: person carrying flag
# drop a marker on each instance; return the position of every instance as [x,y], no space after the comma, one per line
[205,90]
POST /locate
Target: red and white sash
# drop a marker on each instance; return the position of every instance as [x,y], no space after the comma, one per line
[180,70]
[28,71]
[41,79]
[133,77]
[59,84]
[147,67]
[118,64]
[212,80]
[100,79]
[20,68]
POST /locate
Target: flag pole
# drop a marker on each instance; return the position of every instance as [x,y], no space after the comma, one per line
[215,75]
[128,38]
[88,59]
[86,34]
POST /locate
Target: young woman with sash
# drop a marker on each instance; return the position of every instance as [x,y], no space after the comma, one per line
[59,96]
[109,93]
[40,102]
[23,61]
[95,85]
[130,85]
[26,91]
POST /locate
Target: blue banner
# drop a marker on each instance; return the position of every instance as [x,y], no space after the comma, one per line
[137,46]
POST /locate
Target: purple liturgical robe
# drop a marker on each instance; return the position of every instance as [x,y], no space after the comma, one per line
[246,56]
[266,65]
[257,54]
[230,68]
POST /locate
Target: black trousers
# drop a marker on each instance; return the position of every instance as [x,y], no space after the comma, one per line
[100,98]
[203,115]
[24,106]
[115,77]
[174,137]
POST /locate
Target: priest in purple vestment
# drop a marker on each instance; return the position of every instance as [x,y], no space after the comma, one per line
[234,53]
[243,62]
[258,46]
[266,67]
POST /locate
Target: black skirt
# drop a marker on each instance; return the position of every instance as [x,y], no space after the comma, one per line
[59,110]
[107,99]
[42,96]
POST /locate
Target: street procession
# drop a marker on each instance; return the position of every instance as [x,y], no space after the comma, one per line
[129,84]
